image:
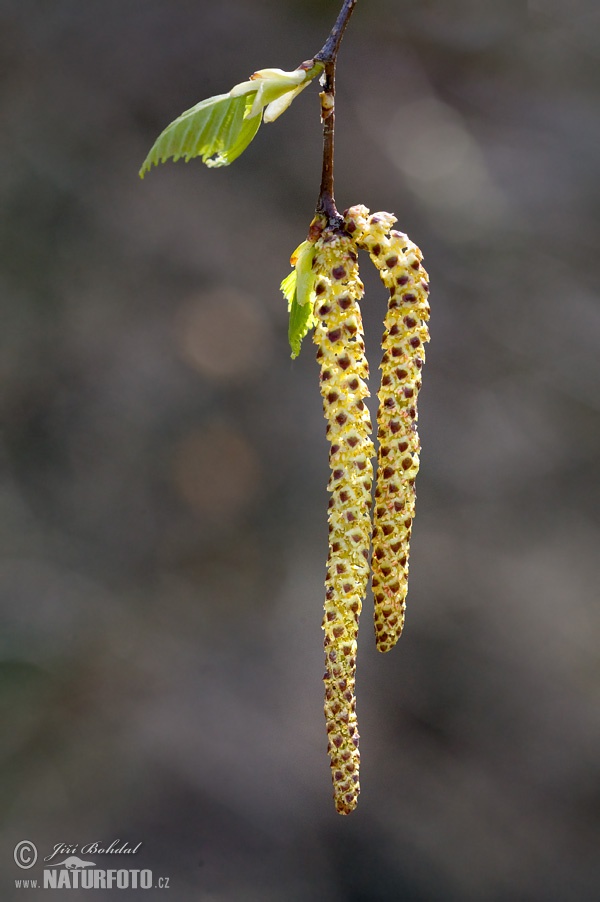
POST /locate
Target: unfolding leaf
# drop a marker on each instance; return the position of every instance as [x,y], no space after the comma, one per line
[288,287]
[301,321]
[298,290]
[304,256]
[214,129]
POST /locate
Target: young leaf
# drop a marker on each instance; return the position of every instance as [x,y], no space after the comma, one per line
[288,287]
[301,315]
[298,290]
[214,129]
[301,320]
[303,258]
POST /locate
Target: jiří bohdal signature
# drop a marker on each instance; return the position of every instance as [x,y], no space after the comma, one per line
[71,850]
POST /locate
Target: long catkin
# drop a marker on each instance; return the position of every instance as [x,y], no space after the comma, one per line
[344,369]
[399,263]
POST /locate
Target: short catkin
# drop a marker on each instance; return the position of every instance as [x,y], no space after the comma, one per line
[344,369]
[399,263]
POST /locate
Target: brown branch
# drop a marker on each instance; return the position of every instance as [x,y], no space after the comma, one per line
[330,48]
[328,56]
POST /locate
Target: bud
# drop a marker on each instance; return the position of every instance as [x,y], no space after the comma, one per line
[275,90]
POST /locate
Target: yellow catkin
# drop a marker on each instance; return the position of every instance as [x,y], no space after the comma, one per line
[341,354]
[399,263]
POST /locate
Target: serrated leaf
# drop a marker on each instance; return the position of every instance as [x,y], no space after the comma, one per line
[214,129]
[301,321]
[288,286]
[298,290]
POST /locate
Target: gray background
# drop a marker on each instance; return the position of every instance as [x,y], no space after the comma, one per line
[163,462]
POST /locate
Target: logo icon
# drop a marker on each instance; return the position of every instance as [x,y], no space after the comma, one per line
[73,863]
[25,854]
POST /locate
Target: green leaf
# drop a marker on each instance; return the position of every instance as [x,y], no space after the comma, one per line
[214,129]
[298,290]
[301,315]
[301,321]
[305,276]
[288,286]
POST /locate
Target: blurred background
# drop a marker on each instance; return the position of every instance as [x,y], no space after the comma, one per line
[164,462]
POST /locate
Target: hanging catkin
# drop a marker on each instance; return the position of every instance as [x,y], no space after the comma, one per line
[399,263]
[344,369]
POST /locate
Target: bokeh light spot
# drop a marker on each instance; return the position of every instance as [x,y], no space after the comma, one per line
[223,334]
